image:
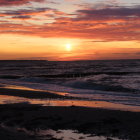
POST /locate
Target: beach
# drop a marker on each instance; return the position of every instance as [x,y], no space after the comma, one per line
[96,100]
[29,120]
[69,70]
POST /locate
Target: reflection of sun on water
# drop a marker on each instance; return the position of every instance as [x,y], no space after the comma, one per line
[68,47]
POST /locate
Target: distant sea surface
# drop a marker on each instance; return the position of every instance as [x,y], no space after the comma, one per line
[115,81]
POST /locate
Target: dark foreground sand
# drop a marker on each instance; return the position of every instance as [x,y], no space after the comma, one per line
[86,120]
[101,122]
[8,135]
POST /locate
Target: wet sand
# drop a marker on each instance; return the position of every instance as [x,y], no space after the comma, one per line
[18,119]
[32,94]
[17,94]
[100,122]
[10,135]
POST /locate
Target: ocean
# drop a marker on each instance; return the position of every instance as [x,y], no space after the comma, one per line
[115,81]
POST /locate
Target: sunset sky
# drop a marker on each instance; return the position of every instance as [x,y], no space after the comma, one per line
[69,29]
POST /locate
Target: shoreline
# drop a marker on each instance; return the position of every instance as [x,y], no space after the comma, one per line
[32,94]
[47,98]
[31,116]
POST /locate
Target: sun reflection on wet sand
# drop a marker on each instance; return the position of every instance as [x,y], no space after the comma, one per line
[66,102]
[31,89]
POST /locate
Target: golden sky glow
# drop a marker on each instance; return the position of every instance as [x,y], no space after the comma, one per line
[69,30]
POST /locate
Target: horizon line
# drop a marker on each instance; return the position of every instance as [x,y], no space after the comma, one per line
[65,60]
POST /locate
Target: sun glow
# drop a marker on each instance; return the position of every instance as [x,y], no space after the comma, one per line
[68,47]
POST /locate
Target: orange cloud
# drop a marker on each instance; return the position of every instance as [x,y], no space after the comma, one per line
[16,2]
[109,24]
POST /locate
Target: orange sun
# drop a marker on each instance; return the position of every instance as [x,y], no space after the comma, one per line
[68,47]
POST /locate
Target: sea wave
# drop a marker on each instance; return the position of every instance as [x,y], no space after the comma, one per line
[115,81]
